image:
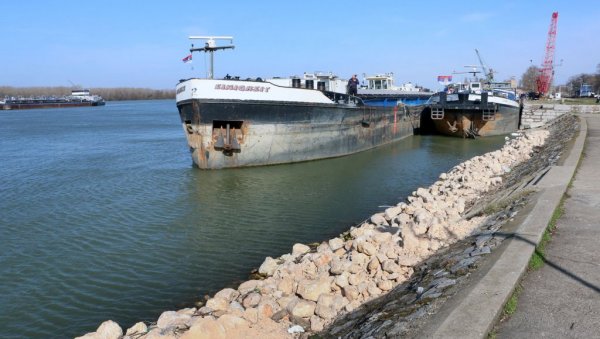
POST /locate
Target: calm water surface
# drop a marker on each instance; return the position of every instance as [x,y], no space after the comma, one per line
[102,215]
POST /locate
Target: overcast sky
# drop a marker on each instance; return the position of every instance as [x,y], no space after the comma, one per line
[141,43]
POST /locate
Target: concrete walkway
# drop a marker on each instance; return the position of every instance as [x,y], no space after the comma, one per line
[566,291]
[562,299]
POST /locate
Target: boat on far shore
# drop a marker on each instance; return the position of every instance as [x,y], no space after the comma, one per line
[78,98]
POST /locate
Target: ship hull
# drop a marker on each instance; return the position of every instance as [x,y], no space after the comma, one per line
[275,132]
[473,118]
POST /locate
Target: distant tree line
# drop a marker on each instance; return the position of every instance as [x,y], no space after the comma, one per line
[574,83]
[571,88]
[118,93]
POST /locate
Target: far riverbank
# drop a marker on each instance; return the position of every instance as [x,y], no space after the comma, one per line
[108,93]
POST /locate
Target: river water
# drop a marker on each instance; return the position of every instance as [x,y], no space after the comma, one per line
[103,216]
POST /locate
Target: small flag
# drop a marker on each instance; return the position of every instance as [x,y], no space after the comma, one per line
[444,78]
[187,59]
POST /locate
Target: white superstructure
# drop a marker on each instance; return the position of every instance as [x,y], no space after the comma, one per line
[271,90]
[84,96]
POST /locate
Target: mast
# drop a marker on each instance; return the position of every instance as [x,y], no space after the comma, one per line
[210,47]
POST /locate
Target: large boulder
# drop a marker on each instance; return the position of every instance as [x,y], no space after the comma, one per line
[336,243]
[317,324]
[206,328]
[268,267]
[232,322]
[303,308]
[341,280]
[286,285]
[249,286]
[217,304]
[137,329]
[390,266]
[379,219]
[351,293]
[312,289]
[251,300]
[425,195]
[173,319]
[373,265]
[266,309]
[299,249]
[365,247]
[107,330]
[385,285]
[338,267]
[326,307]
[392,212]
[228,294]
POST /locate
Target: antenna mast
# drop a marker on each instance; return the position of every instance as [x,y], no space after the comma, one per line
[210,47]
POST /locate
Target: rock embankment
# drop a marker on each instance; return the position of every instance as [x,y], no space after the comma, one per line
[307,289]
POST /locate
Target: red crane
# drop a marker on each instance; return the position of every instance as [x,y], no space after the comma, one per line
[544,79]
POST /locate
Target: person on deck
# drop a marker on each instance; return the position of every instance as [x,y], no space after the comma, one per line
[352,85]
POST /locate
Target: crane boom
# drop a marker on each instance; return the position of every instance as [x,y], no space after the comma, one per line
[544,80]
[489,75]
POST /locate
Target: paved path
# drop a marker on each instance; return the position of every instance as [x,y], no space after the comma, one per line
[562,299]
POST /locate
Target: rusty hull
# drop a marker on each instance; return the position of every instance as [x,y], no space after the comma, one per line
[276,133]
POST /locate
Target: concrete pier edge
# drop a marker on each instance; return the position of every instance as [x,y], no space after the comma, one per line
[475,315]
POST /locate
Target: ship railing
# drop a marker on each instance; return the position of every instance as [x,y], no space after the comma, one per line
[341,98]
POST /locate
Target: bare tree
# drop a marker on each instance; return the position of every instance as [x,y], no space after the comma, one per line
[528,79]
[596,80]
[575,82]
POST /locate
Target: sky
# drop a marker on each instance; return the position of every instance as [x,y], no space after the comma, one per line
[132,43]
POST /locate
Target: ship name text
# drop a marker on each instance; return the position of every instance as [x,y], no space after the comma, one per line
[242,88]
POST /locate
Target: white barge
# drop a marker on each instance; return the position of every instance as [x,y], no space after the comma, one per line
[236,123]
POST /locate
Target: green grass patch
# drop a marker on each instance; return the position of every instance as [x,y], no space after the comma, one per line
[509,309]
[537,259]
[580,101]
[566,101]
[511,305]
[536,262]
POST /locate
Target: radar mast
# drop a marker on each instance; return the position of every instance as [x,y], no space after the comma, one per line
[210,47]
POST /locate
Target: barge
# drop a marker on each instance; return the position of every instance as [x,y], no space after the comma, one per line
[78,98]
[470,113]
[234,122]
[474,108]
